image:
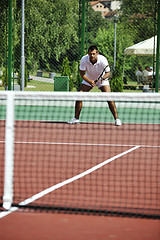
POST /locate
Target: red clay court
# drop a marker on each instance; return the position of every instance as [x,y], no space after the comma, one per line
[86,181]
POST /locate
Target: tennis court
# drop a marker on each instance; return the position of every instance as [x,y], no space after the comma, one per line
[93,168]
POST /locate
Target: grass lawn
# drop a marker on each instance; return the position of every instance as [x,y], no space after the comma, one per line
[34,85]
[39,86]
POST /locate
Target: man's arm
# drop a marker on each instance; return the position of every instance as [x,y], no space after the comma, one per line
[84,77]
[106,75]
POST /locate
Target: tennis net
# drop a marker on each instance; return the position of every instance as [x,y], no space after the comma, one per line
[93,167]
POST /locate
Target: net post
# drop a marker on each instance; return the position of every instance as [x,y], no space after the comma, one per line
[9,152]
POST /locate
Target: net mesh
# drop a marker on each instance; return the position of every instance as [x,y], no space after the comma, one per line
[91,167]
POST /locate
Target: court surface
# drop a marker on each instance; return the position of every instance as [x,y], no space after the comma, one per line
[45,226]
[78,169]
[114,143]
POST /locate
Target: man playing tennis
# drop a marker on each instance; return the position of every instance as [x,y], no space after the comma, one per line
[91,67]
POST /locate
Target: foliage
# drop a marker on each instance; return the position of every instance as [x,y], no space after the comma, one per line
[4,77]
[116,82]
[3,20]
[139,18]
[142,7]
[74,73]
[105,43]
[51,28]
[52,33]
[66,71]
[94,22]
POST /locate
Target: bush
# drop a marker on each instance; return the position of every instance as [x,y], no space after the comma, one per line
[4,77]
[117,85]
[75,72]
[66,71]
[116,82]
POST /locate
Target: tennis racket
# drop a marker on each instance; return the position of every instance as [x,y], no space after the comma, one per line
[101,74]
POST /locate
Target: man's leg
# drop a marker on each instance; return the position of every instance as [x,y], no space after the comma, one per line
[78,108]
[111,105]
[78,105]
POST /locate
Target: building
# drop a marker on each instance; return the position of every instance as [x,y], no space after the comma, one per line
[108,8]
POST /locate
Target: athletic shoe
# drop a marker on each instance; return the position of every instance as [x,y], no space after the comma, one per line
[118,122]
[74,121]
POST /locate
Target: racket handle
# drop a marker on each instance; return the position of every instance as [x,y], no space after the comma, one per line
[98,79]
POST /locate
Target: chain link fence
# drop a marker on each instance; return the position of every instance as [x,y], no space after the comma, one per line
[53,41]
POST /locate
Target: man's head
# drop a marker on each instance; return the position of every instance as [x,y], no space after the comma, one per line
[147,68]
[93,52]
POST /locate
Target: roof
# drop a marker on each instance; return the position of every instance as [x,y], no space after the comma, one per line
[110,14]
[144,48]
[94,2]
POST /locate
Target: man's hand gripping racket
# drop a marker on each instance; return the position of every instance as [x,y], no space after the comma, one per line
[100,77]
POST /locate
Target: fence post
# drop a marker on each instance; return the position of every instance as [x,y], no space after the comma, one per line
[10,45]
[158,49]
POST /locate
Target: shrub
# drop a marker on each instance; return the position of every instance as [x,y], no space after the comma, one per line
[66,71]
[116,82]
[5,77]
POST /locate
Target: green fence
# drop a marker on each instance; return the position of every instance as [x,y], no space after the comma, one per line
[58,33]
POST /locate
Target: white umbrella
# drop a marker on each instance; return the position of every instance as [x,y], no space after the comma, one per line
[144,48]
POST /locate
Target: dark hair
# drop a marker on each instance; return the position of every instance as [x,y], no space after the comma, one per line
[92,47]
[146,67]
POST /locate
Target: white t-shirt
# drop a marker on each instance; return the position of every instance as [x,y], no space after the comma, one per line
[93,71]
[139,73]
[146,76]
[145,73]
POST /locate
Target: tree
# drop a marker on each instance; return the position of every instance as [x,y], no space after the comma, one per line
[51,27]
[139,18]
[52,31]
[94,22]
[105,42]
[3,29]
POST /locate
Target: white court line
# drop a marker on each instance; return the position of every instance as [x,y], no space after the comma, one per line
[59,185]
[84,144]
